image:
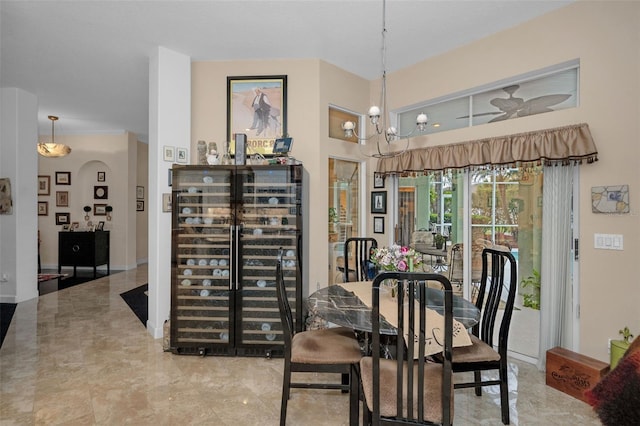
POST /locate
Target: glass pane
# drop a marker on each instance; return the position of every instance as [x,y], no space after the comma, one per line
[336,118]
[442,116]
[344,214]
[546,94]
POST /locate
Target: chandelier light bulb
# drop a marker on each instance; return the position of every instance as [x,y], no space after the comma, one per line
[374,111]
[348,125]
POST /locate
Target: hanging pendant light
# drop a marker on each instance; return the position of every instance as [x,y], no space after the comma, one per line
[53,149]
[384,136]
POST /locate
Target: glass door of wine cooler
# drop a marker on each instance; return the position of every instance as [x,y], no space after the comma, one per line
[269,219]
[202,284]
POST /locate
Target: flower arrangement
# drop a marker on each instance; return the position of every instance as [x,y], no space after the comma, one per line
[395,258]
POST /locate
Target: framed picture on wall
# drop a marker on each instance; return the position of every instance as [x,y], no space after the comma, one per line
[378,225]
[169,153]
[63,218]
[100,192]
[43,208]
[139,205]
[181,155]
[101,176]
[100,226]
[63,178]
[257,107]
[62,198]
[44,185]
[379,202]
[139,192]
[378,180]
[100,209]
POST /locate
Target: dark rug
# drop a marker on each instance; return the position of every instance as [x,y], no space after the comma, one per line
[56,284]
[138,301]
[6,313]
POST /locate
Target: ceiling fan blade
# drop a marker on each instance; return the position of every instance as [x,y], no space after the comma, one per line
[481,114]
[541,104]
[507,105]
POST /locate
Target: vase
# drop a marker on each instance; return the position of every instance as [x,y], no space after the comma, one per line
[390,285]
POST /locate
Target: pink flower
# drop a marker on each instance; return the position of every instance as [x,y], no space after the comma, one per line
[402,266]
[404,250]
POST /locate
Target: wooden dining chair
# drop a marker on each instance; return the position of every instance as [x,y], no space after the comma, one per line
[482,355]
[409,389]
[357,258]
[332,350]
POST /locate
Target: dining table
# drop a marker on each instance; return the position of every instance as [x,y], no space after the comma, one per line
[349,305]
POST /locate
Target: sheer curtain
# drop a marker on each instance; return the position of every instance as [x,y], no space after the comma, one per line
[555,275]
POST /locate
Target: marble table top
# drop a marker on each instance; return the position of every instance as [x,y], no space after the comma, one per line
[342,307]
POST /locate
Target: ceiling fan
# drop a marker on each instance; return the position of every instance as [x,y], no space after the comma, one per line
[518,106]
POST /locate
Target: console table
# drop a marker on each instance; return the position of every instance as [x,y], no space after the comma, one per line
[83,249]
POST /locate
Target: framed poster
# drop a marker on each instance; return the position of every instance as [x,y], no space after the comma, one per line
[139,192]
[62,198]
[44,185]
[257,107]
[63,178]
[378,180]
[43,208]
[378,225]
[139,205]
[63,218]
[101,176]
[379,202]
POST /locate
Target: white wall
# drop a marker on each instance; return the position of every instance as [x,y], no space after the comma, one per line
[18,162]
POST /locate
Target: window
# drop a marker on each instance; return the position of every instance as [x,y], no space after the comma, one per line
[547,90]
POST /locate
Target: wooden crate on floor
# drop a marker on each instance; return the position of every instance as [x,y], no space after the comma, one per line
[573,373]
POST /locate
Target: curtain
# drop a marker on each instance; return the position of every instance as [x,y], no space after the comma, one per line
[558,146]
[555,275]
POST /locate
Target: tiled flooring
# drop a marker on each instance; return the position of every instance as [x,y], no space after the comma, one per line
[79,356]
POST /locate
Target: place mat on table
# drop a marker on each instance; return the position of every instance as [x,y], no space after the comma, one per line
[388,309]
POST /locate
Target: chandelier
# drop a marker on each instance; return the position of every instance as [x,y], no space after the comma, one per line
[53,149]
[384,135]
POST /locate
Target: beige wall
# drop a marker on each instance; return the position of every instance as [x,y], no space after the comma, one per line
[113,154]
[142,218]
[603,35]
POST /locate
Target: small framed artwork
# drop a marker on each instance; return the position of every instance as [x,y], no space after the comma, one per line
[100,192]
[101,176]
[379,202]
[63,178]
[139,206]
[166,202]
[378,180]
[169,153]
[139,192]
[44,185]
[43,208]
[62,198]
[100,209]
[257,107]
[63,218]
[378,225]
[100,226]
[181,155]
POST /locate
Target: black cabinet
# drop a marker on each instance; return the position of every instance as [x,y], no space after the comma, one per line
[83,249]
[230,223]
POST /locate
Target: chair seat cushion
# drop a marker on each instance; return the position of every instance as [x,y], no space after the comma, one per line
[327,346]
[388,389]
[478,351]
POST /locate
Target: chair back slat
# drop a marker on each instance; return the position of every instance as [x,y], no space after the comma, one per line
[411,363]
[357,258]
[286,315]
[490,295]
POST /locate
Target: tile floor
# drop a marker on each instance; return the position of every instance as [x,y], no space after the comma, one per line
[79,356]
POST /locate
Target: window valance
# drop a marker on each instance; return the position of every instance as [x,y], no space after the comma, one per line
[559,146]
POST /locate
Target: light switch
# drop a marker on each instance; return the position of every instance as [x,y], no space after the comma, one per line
[608,241]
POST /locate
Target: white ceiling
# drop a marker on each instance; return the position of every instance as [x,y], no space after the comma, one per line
[88,61]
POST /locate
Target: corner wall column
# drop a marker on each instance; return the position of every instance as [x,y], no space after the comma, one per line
[169,125]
